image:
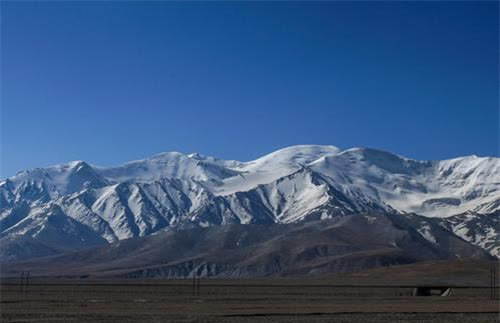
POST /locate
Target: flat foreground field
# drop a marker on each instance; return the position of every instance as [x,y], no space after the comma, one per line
[264,300]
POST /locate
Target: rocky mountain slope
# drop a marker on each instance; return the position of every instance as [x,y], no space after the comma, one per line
[77,205]
[351,242]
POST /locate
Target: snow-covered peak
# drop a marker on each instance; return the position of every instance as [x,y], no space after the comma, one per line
[294,156]
[168,165]
[56,180]
[386,161]
[466,166]
[273,166]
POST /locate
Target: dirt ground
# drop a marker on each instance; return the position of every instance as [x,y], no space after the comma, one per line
[235,300]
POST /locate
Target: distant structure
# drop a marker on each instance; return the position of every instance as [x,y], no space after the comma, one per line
[432,291]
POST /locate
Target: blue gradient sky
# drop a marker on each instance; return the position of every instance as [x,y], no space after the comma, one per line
[110,82]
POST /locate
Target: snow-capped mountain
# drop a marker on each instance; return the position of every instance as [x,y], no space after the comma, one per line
[87,204]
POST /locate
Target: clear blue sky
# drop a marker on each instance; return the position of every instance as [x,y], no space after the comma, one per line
[109,82]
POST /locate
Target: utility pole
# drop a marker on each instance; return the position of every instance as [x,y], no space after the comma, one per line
[194,282]
[27,282]
[493,283]
[21,285]
[198,286]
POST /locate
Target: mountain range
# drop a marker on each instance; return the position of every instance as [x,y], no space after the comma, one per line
[53,211]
